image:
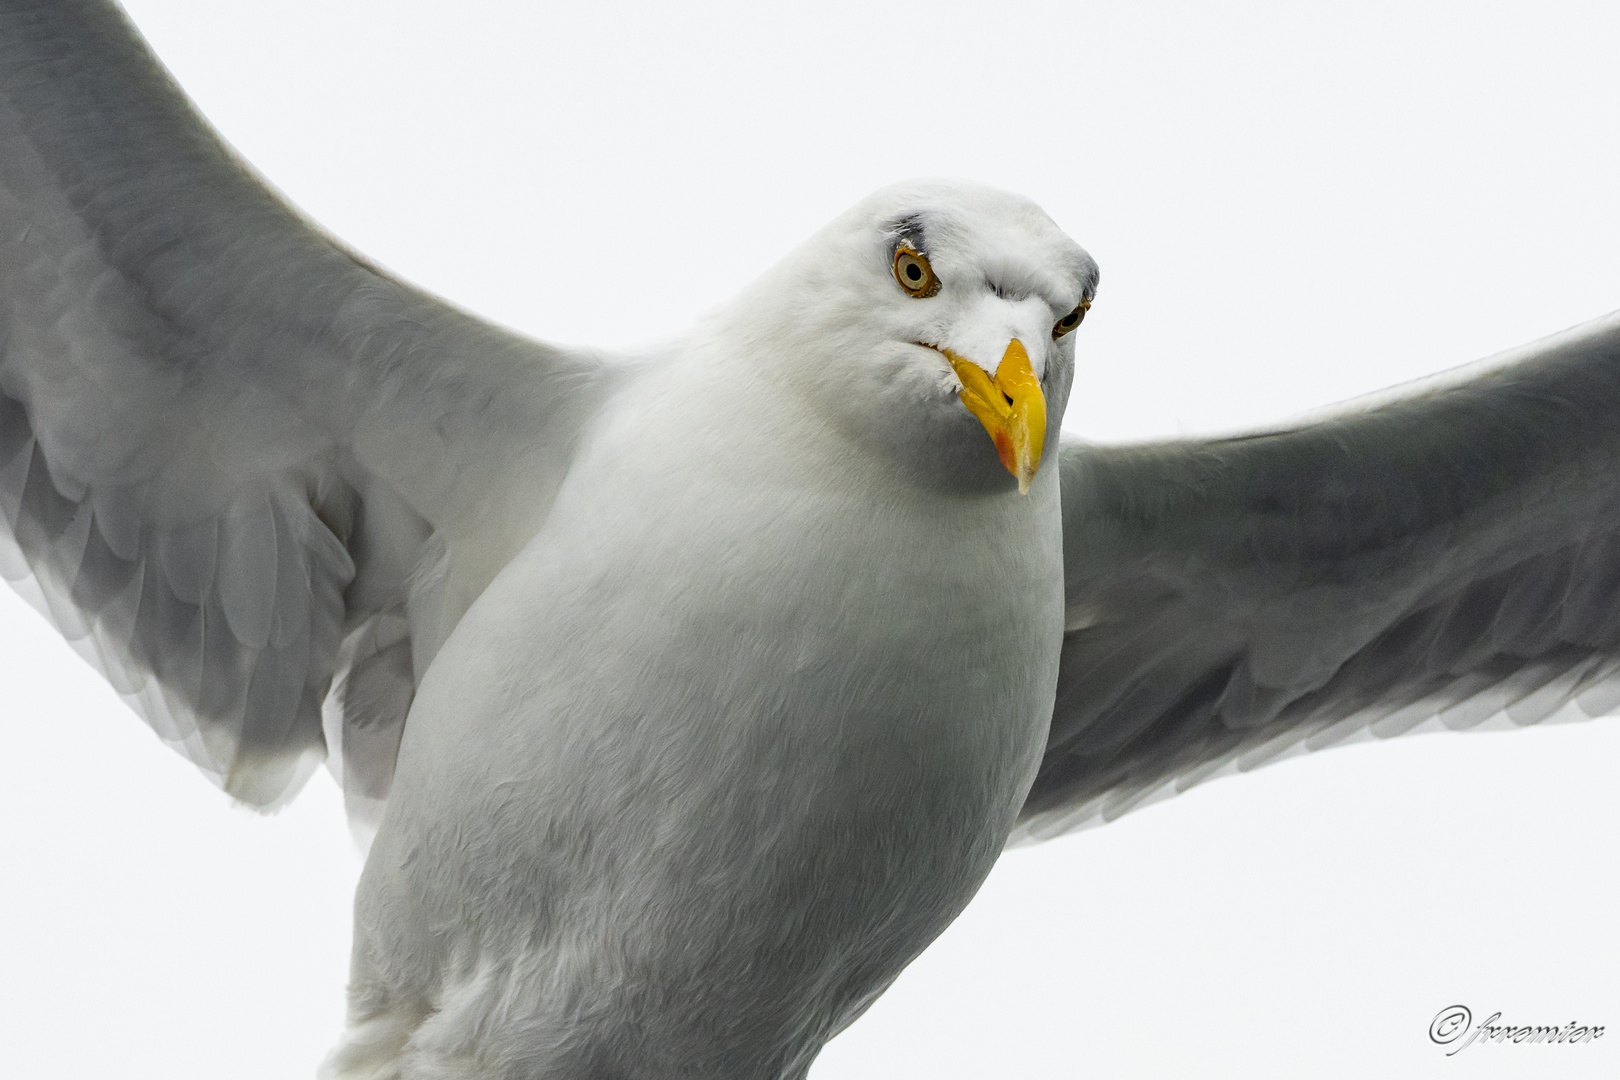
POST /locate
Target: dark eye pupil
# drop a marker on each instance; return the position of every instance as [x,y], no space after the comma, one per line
[913,272]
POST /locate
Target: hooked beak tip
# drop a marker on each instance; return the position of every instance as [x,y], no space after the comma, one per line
[1012,408]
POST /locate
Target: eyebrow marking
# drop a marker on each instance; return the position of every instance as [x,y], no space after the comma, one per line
[908,230]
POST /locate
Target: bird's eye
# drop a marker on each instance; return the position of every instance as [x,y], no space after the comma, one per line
[914,274]
[1071,320]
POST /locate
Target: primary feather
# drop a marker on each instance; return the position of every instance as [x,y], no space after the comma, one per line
[728,671]
[1437,557]
[236,460]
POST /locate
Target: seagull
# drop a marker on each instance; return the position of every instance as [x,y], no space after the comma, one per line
[684,697]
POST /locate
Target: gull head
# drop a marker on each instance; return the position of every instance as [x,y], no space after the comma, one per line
[934,324]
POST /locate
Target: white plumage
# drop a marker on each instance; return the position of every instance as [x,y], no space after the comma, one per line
[267,547]
[734,673]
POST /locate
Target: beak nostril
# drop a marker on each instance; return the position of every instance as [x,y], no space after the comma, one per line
[1011,405]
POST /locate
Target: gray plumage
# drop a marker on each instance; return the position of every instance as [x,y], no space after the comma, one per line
[1436,557]
[232,453]
[737,704]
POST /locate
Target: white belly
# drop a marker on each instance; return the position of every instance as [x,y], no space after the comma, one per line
[680,804]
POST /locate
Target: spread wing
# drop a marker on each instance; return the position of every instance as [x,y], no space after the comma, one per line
[243,471]
[1444,557]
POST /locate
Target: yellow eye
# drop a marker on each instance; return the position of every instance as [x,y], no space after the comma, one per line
[913,273]
[1071,320]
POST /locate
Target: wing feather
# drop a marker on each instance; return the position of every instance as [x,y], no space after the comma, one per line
[239,465]
[1447,557]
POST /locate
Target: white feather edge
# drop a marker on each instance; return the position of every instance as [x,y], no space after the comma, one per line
[1587,691]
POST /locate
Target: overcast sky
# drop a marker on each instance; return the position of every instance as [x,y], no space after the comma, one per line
[1289,208]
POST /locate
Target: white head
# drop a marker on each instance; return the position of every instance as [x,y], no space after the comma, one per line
[928,316]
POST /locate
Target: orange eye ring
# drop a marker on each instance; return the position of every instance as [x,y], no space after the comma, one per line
[1071,320]
[913,273]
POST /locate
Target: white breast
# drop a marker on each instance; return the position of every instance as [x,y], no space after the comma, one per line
[733,739]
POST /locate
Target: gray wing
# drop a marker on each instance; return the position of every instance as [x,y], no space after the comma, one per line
[1445,556]
[243,471]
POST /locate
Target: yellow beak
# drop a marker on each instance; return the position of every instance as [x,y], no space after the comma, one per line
[1012,408]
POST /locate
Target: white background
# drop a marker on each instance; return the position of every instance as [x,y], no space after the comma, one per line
[1289,207]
